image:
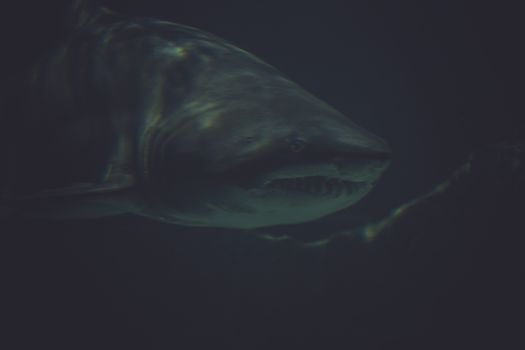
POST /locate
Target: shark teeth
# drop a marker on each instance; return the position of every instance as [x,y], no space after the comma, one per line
[316,185]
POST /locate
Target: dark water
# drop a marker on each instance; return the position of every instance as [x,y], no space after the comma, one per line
[438,80]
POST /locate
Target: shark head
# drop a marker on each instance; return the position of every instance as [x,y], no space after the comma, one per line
[248,148]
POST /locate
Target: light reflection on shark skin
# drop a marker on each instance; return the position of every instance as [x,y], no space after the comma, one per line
[134,115]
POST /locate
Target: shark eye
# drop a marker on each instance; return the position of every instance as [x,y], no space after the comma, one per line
[246,140]
[296,144]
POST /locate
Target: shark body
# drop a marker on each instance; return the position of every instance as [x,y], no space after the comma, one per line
[135,115]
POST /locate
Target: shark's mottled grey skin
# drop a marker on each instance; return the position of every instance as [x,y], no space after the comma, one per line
[134,115]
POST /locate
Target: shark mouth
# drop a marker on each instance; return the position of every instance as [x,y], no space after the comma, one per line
[322,179]
[313,185]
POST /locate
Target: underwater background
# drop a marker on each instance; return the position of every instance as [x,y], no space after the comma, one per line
[441,81]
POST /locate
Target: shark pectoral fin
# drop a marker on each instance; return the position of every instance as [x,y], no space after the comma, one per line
[84,189]
[79,201]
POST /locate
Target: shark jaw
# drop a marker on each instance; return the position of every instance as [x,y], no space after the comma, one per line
[288,195]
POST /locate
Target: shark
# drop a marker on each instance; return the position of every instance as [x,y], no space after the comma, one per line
[153,118]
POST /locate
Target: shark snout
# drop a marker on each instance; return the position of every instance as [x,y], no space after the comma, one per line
[345,152]
[363,157]
[359,142]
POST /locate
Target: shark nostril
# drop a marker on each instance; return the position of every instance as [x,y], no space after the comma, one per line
[296,144]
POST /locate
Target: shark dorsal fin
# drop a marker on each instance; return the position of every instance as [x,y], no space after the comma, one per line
[80,12]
